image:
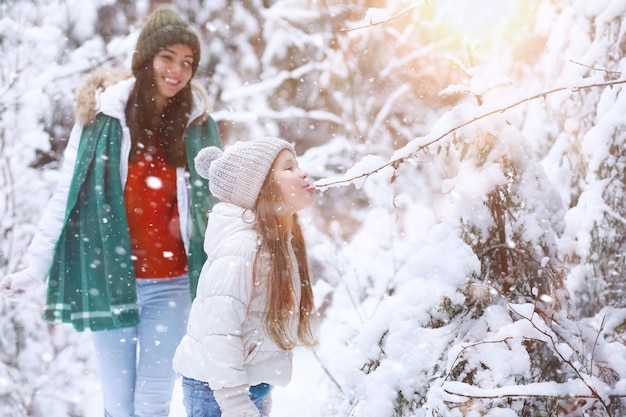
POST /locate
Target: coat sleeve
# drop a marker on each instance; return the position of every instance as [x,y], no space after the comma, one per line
[41,249]
[213,350]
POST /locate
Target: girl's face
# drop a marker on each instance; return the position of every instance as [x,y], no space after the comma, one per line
[293,183]
[172,68]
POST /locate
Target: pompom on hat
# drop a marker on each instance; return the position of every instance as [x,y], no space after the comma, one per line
[237,174]
[164,28]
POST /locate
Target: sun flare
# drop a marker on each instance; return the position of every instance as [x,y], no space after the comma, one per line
[490,31]
[476,18]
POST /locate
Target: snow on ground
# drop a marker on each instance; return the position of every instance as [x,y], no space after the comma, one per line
[289,401]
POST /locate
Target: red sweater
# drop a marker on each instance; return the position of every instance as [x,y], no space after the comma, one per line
[153,220]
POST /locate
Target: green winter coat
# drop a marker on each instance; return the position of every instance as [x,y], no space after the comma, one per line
[91,281]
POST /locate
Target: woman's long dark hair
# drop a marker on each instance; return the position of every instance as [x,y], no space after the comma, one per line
[151,130]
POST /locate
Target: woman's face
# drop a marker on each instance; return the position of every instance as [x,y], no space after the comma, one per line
[172,68]
[293,184]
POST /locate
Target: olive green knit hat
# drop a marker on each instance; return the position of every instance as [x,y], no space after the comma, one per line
[164,28]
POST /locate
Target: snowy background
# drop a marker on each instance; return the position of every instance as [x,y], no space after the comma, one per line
[469,230]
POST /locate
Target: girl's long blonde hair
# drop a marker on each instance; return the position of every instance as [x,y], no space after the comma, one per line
[275,231]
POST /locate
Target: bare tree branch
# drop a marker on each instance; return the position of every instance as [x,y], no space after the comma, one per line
[569,363]
[502,393]
[382,22]
[608,71]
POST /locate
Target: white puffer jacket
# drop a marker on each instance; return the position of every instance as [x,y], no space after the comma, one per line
[225,344]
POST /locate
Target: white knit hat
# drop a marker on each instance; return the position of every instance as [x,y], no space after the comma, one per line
[237,174]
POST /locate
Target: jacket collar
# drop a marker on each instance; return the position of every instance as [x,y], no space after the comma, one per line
[112,101]
[106,91]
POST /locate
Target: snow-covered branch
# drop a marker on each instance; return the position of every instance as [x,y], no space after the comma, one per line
[364,168]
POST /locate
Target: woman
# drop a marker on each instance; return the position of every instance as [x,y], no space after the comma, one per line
[254,302]
[121,238]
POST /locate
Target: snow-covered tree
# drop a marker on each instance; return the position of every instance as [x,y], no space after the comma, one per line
[475,319]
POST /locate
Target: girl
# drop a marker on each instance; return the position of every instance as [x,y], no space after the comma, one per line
[122,236]
[254,302]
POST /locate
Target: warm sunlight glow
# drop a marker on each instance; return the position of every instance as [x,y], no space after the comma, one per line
[482,32]
[491,26]
[477,17]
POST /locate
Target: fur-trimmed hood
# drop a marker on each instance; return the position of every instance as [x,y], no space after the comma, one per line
[94,83]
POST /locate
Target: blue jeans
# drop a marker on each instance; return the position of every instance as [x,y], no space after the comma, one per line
[135,363]
[199,400]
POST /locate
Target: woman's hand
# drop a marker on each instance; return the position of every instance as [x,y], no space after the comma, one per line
[16,284]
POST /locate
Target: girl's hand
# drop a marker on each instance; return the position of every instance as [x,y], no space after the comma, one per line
[235,402]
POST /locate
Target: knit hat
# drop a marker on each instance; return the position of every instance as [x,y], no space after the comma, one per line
[164,28]
[237,174]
